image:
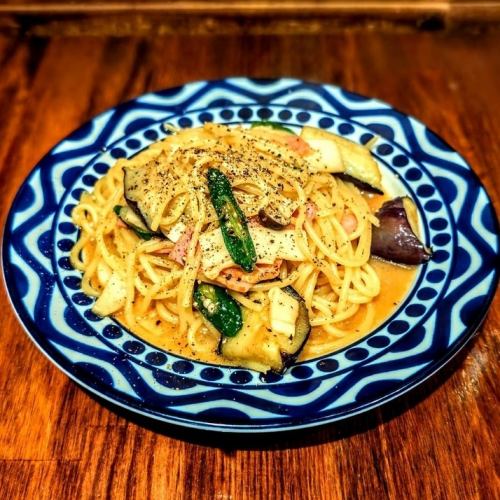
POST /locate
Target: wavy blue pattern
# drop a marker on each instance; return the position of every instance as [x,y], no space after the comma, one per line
[445,307]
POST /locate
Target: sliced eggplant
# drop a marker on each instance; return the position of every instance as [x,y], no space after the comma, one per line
[359,163]
[269,218]
[134,222]
[147,189]
[364,186]
[268,350]
[340,156]
[326,155]
[396,238]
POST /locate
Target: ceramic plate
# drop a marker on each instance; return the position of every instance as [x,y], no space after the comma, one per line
[442,311]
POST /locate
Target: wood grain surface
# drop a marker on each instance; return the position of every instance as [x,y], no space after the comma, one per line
[160,17]
[439,441]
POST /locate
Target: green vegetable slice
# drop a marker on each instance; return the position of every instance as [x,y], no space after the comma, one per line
[218,307]
[133,221]
[232,221]
[265,350]
[273,125]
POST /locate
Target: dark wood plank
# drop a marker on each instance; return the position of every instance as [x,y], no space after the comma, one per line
[56,441]
[159,17]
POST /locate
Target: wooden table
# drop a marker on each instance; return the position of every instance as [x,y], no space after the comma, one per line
[439,441]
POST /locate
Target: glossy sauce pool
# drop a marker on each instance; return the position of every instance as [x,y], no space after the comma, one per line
[395,280]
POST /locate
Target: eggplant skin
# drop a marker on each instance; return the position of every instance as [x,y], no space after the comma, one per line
[394,239]
[302,329]
[287,355]
[364,186]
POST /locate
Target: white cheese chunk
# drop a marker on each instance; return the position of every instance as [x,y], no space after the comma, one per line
[176,231]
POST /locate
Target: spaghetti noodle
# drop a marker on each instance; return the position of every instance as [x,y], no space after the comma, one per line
[323,252]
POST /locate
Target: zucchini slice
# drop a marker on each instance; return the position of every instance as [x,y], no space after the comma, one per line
[265,350]
[218,307]
[273,125]
[134,222]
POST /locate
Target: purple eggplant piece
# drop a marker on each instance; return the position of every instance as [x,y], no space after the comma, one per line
[394,239]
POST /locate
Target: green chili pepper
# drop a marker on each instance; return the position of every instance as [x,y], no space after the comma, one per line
[219,308]
[232,221]
[273,125]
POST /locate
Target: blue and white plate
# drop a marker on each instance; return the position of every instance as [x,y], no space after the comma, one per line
[443,310]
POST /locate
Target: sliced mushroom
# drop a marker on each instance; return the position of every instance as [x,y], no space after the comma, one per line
[277,214]
[272,219]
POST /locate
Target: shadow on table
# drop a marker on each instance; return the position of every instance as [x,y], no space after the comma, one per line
[302,437]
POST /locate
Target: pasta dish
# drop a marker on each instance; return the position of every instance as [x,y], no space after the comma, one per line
[246,246]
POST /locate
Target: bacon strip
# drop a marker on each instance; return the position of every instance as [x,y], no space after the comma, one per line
[297,144]
[179,252]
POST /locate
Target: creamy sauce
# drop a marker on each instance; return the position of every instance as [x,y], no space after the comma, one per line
[396,282]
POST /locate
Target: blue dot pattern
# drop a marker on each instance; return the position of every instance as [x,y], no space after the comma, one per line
[134,347]
[240,377]
[205,117]
[356,354]
[118,153]
[182,367]
[211,374]
[184,122]
[264,113]
[326,123]
[379,341]
[301,372]
[284,115]
[346,129]
[327,365]
[156,358]
[303,116]
[112,332]
[398,327]
[151,135]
